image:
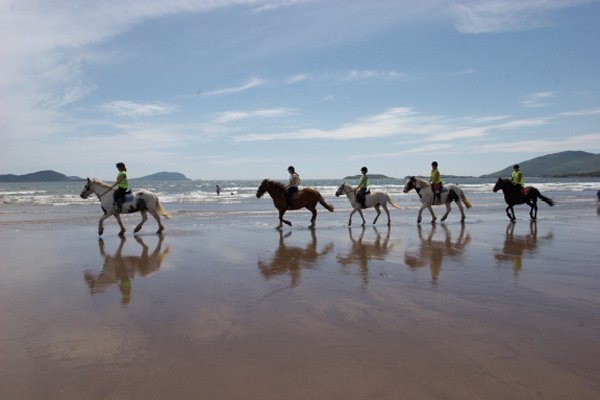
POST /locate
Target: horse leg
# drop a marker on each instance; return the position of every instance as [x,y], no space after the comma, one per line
[533,210]
[313,210]
[462,210]
[101,223]
[281,220]
[433,218]
[388,214]
[157,218]
[361,216]
[420,214]
[448,207]
[122,232]
[378,213]
[511,217]
[144,219]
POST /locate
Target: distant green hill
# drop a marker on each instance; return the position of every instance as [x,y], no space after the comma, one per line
[40,176]
[563,164]
[163,176]
[53,176]
[371,176]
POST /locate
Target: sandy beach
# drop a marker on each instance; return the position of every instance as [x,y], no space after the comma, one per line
[231,308]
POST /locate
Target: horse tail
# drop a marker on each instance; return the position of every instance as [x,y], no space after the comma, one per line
[161,211]
[545,199]
[324,203]
[389,199]
[464,199]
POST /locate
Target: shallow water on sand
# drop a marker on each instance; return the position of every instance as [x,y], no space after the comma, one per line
[223,306]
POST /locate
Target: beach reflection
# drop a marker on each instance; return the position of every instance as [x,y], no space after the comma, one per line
[361,252]
[516,246]
[119,269]
[290,260]
[432,252]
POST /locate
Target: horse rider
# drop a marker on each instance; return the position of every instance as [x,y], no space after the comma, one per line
[517,180]
[435,181]
[363,183]
[292,186]
[122,186]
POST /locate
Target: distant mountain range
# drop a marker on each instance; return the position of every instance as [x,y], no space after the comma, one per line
[53,176]
[563,164]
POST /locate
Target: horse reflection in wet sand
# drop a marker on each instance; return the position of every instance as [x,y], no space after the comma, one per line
[291,260]
[120,269]
[432,252]
[517,246]
[362,252]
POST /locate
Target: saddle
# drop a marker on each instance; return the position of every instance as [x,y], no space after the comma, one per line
[128,197]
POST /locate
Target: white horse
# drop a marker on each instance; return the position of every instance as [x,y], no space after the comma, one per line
[451,193]
[373,199]
[141,200]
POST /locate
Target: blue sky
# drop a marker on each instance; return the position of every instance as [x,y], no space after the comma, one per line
[226,89]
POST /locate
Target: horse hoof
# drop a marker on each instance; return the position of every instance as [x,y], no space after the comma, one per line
[139,229]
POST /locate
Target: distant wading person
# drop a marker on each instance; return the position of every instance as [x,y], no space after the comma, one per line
[435,181]
[122,186]
[292,186]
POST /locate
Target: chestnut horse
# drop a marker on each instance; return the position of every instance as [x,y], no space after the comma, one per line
[305,198]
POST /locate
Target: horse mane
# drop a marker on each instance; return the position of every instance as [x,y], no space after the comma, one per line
[101,183]
[278,185]
[421,183]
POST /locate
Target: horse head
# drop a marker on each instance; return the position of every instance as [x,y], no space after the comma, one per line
[340,190]
[262,188]
[410,184]
[498,185]
[87,189]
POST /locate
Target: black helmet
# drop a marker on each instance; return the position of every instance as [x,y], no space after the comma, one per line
[364,169]
[121,164]
[516,166]
[434,164]
[291,168]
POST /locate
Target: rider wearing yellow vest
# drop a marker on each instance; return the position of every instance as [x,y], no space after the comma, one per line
[122,185]
[435,181]
[517,179]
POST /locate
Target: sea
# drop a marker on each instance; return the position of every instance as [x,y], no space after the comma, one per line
[239,196]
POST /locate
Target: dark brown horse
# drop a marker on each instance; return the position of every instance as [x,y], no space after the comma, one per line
[512,196]
[305,198]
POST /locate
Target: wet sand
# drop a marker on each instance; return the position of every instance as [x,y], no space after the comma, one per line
[239,310]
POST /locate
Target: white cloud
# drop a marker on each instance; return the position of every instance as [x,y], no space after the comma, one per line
[374,74]
[507,15]
[134,110]
[537,99]
[251,84]
[231,116]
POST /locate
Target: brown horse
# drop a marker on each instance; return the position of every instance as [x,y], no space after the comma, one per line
[304,198]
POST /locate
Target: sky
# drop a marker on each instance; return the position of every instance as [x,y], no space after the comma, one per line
[241,89]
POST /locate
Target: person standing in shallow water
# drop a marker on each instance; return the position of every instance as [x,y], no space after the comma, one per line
[292,186]
[435,181]
[122,186]
[363,184]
